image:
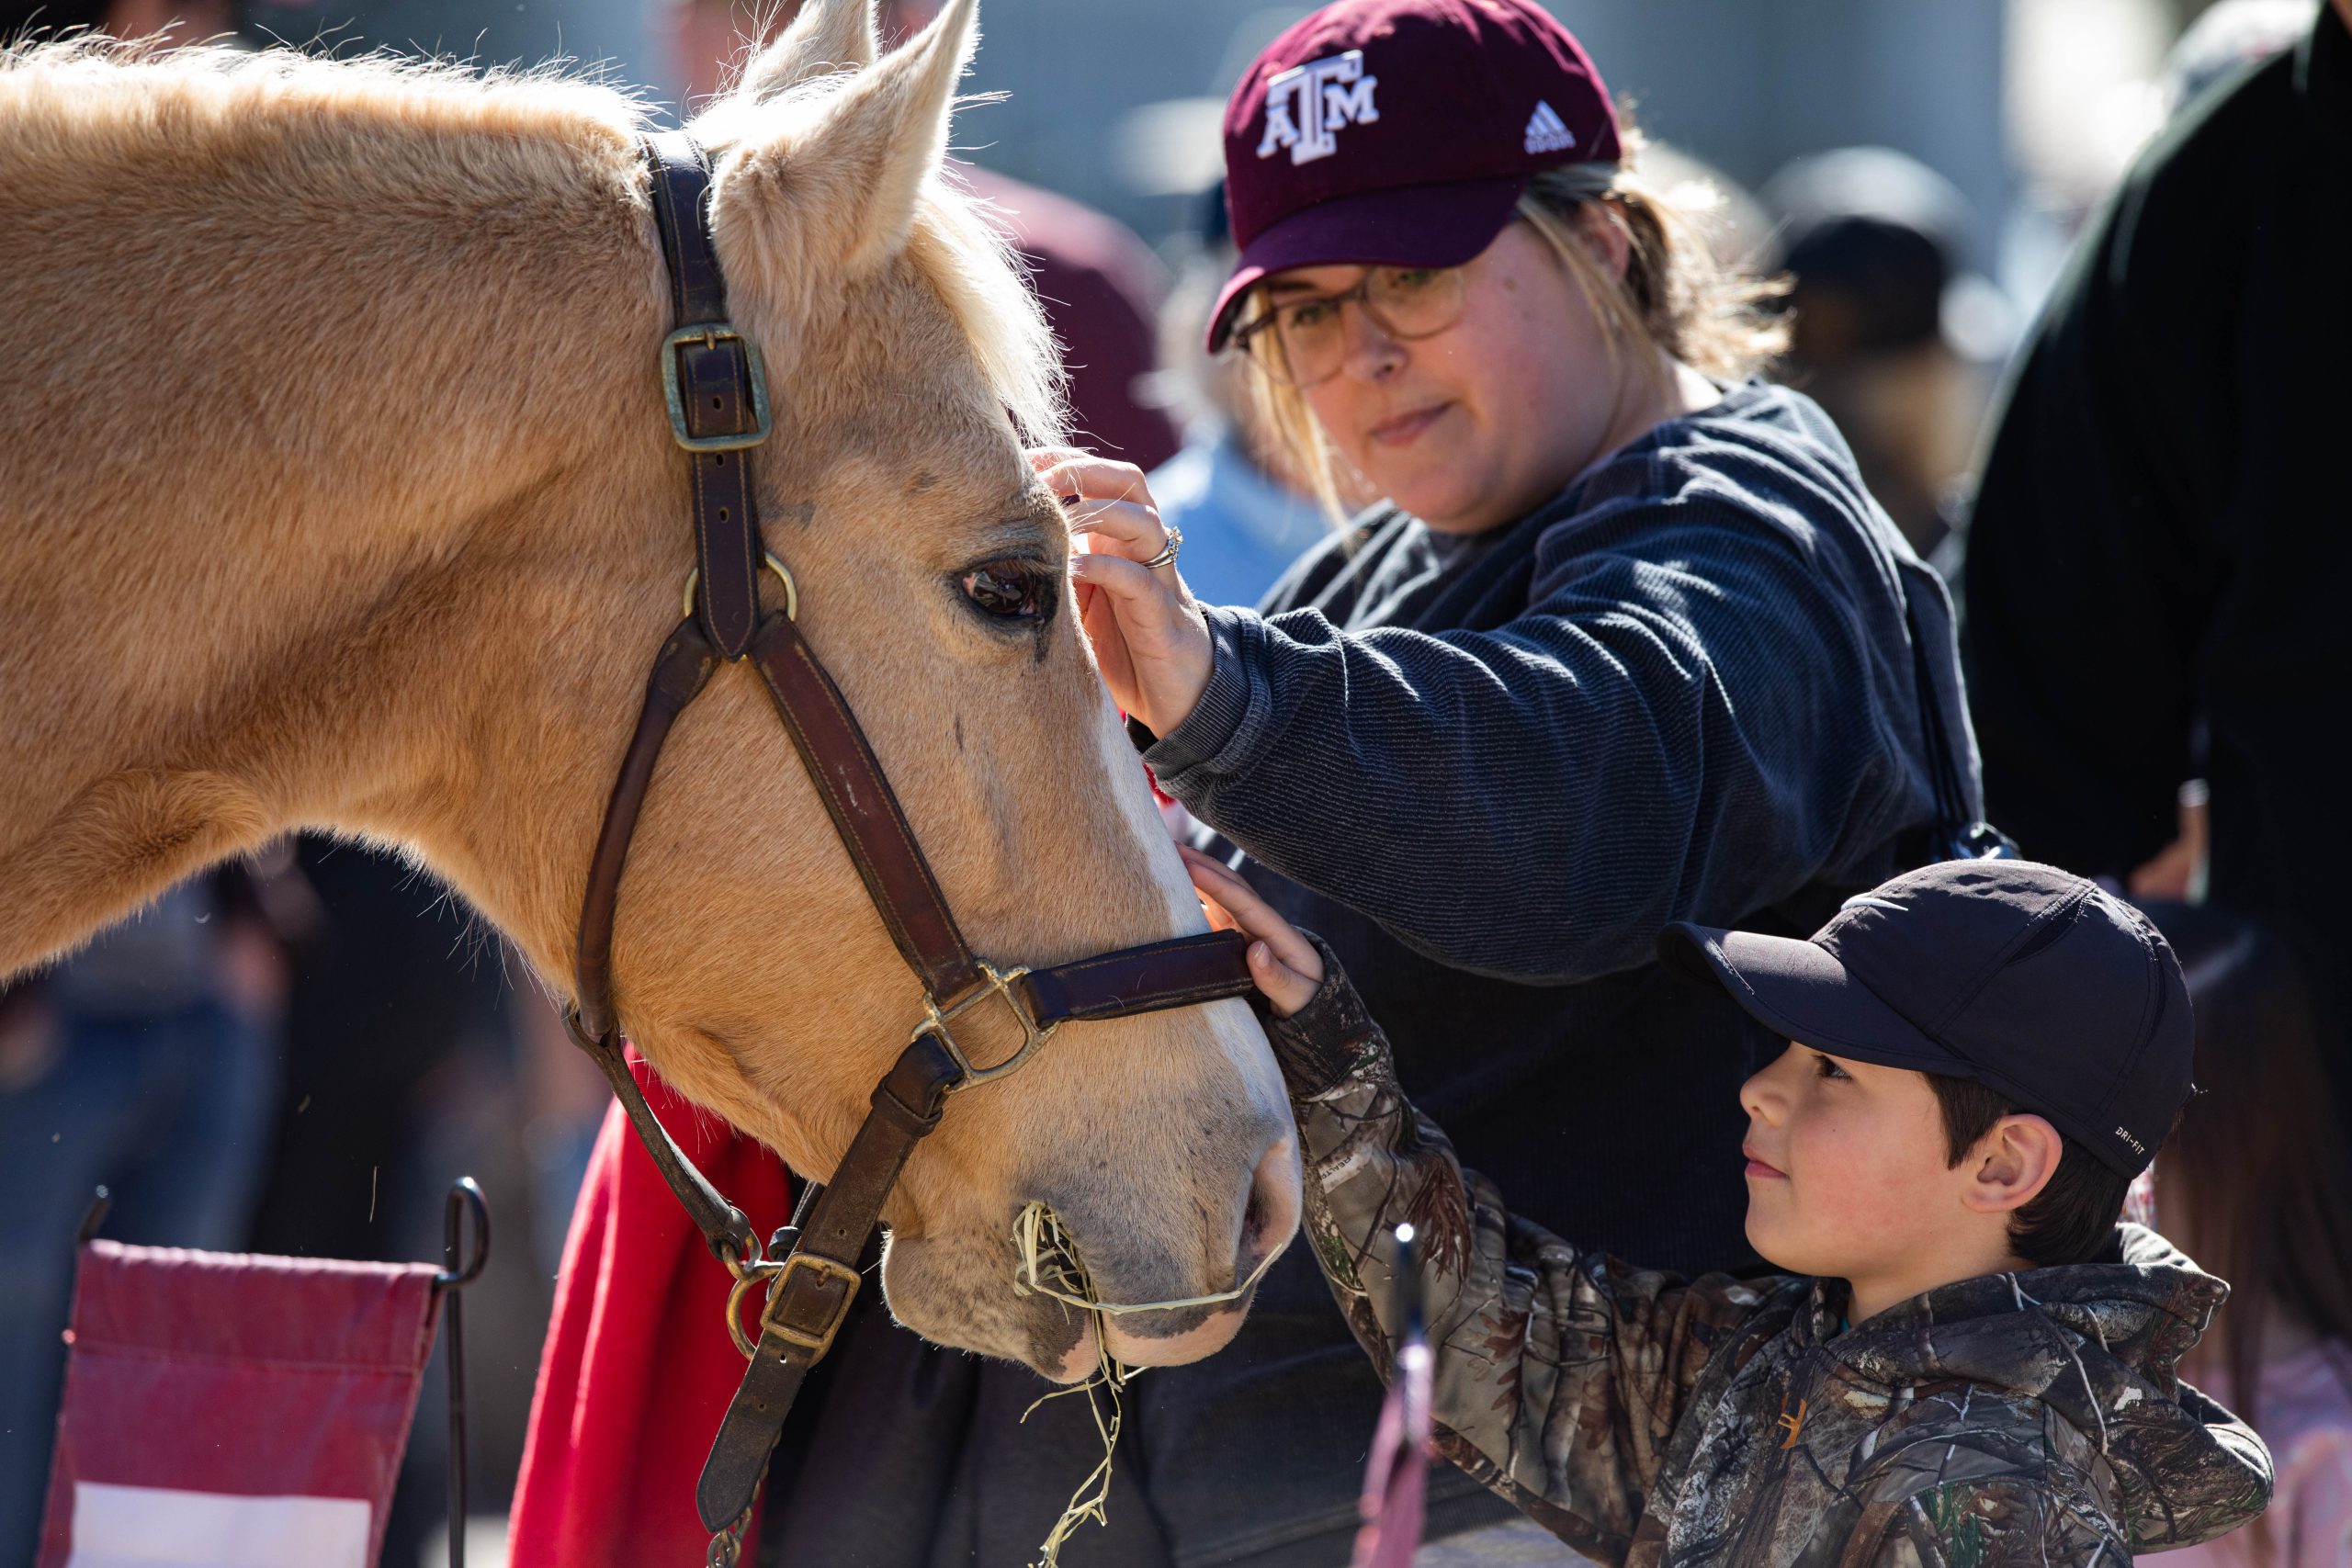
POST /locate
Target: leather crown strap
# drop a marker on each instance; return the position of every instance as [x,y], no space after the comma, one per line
[716,388]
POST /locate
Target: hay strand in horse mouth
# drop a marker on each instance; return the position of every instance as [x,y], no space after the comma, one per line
[1050,1266]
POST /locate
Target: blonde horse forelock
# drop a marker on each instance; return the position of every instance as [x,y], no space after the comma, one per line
[979,276]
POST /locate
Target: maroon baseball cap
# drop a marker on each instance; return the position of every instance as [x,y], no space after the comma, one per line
[1400,133]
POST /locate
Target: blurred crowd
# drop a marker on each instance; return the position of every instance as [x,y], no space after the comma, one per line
[296,1054]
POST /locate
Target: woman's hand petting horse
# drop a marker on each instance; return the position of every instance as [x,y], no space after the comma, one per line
[1285,964]
[1150,637]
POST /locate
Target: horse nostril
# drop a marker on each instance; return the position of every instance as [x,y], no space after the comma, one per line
[1270,1215]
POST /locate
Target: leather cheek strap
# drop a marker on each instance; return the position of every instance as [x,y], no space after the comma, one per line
[680,671]
[866,811]
[812,1297]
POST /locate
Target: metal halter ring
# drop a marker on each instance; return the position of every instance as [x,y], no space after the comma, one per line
[782,574]
[999,983]
[747,1278]
[817,1344]
[1167,555]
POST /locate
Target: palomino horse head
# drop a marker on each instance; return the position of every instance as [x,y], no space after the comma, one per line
[336,491]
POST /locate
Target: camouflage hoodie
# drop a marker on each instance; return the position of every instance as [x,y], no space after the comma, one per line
[2029,1419]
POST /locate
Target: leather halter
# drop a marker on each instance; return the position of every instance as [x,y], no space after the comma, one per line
[716,388]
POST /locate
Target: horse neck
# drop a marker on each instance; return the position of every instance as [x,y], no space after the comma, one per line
[287,521]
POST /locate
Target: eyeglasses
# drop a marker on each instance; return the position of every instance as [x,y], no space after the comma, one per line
[1303,342]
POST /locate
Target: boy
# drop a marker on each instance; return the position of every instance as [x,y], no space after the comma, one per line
[1968,1362]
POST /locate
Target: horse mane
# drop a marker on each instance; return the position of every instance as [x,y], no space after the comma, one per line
[92,85]
[985,283]
[91,88]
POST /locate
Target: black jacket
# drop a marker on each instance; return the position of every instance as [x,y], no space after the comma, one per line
[2165,519]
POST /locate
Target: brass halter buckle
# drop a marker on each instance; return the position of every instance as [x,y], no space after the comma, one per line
[710,335]
[820,1342]
[775,1276]
[937,1020]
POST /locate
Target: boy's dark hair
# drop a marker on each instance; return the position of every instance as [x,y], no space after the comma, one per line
[2070,1220]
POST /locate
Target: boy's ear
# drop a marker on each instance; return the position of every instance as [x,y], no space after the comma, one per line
[826,36]
[835,190]
[2012,1163]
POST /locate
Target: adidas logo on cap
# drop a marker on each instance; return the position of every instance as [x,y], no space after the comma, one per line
[1546,131]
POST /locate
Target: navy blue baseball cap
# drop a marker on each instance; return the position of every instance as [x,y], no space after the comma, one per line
[2033,982]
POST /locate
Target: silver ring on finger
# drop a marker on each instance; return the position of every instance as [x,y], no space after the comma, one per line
[1167,555]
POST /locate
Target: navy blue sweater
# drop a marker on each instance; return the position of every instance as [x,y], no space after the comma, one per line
[1488,770]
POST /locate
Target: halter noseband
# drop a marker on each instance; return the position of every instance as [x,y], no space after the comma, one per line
[715,389]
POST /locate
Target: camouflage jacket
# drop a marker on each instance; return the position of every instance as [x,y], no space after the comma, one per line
[2026,1419]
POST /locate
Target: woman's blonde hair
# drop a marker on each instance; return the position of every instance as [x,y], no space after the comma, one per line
[1676,299]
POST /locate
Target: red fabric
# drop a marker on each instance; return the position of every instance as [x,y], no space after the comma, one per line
[238,1375]
[639,1366]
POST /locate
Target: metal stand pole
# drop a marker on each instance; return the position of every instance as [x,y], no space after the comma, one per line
[463,1195]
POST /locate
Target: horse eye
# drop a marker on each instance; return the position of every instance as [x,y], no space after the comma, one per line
[1009,591]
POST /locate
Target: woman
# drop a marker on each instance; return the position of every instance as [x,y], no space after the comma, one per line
[1628,643]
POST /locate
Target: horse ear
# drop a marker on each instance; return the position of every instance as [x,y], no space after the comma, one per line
[827,36]
[840,189]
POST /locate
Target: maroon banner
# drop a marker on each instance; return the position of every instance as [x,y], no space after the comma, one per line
[225,1409]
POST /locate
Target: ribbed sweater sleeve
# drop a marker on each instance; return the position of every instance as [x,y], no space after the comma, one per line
[1690,714]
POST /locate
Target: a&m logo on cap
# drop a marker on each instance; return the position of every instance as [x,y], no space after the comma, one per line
[1306,103]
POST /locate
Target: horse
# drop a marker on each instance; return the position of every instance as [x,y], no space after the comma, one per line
[337,495]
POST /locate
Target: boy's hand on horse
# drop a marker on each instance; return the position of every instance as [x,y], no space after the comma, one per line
[1283,964]
[1151,639]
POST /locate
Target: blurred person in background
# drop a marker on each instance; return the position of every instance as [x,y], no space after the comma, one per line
[1100,284]
[1626,642]
[1242,523]
[2257,1184]
[1887,333]
[384,993]
[2229,39]
[2159,540]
